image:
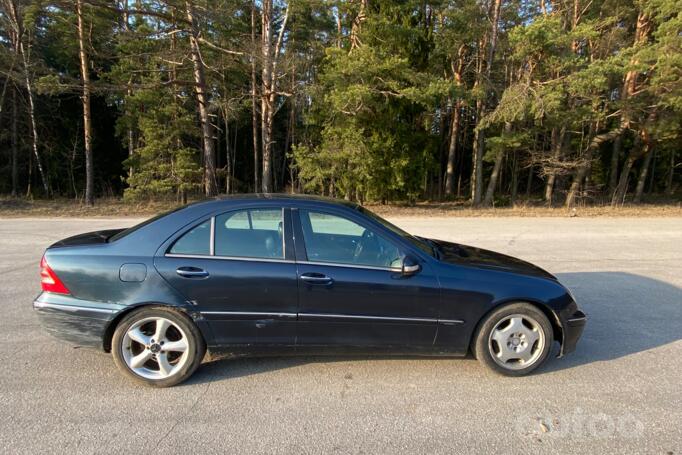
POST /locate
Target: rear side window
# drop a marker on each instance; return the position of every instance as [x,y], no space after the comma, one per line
[196,241]
[253,233]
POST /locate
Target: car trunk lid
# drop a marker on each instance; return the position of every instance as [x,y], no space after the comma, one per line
[88,238]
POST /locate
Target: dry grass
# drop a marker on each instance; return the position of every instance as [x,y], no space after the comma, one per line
[451,209]
[108,208]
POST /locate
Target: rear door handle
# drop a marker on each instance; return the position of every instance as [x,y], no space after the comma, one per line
[316,278]
[191,272]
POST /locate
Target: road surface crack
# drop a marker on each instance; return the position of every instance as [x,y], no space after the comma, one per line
[185,415]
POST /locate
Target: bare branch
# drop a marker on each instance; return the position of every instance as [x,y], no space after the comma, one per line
[218,48]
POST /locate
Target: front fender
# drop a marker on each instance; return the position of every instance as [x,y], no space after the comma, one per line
[469,294]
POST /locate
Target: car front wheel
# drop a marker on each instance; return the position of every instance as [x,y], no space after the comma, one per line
[157,346]
[514,339]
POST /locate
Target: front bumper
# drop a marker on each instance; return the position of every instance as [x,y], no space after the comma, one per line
[572,326]
[74,320]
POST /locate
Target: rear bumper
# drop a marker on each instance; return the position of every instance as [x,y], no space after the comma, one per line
[573,326]
[77,321]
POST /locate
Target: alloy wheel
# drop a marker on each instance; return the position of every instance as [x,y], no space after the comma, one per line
[516,342]
[155,348]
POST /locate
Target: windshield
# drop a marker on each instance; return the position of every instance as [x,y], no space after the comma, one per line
[423,245]
[132,229]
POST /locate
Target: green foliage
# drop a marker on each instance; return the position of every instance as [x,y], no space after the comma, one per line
[163,164]
[506,142]
[369,94]
[373,116]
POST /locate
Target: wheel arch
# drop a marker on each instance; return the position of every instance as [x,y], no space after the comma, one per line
[111,327]
[553,318]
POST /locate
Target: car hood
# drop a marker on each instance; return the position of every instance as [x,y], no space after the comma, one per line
[89,238]
[455,253]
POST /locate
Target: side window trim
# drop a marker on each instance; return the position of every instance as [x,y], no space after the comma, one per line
[186,230]
[287,256]
[301,254]
[352,266]
[301,250]
[227,258]
[211,240]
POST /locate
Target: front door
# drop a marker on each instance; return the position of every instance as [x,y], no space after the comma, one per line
[236,268]
[351,290]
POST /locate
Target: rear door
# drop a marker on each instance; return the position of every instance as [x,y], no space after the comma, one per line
[238,269]
[351,290]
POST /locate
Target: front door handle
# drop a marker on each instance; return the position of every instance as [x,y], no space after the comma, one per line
[191,272]
[316,278]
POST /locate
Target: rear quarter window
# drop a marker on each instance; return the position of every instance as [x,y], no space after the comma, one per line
[196,241]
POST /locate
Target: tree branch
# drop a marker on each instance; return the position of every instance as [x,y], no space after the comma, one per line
[218,48]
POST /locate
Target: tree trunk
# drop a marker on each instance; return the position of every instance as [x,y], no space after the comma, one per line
[479,136]
[228,157]
[356,26]
[477,159]
[339,32]
[584,167]
[490,192]
[557,148]
[529,181]
[266,107]
[639,191]
[642,146]
[671,174]
[622,187]
[652,176]
[15,146]
[628,90]
[18,33]
[455,126]
[515,178]
[290,137]
[131,149]
[87,118]
[129,90]
[234,159]
[254,107]
[269,90]
[452,149]
[210,181]
[615,159]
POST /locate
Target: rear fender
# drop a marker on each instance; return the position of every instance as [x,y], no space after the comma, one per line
[187,310]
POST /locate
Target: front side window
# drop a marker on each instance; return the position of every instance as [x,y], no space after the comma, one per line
[417,242]
[196,241]
[255,233]
[335,239]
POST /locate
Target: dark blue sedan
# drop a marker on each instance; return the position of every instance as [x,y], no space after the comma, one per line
[267,274]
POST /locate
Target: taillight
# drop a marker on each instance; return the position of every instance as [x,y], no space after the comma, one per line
[49,280]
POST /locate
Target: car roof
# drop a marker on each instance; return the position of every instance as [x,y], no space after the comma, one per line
[276,197]
[164,225]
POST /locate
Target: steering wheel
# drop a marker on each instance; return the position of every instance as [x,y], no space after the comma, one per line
[368,237]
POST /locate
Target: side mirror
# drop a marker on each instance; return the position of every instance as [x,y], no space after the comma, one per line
[410,266]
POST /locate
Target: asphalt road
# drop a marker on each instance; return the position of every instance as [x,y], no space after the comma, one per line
[621,391]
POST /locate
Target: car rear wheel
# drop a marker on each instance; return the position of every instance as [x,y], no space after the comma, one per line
[514,339]
[157,346]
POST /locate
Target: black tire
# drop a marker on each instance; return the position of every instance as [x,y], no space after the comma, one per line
[195,341]
[482,347]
